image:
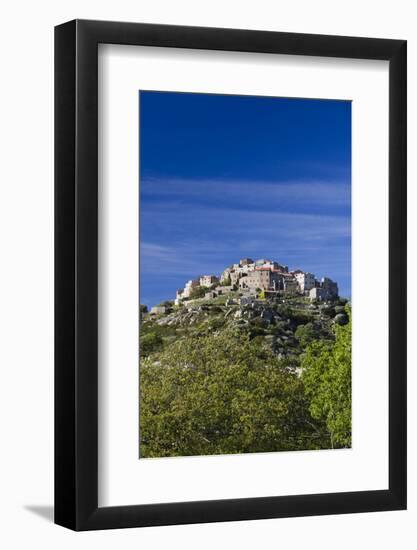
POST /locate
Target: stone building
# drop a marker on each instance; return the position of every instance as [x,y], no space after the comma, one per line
[258,278]
[318,293]
[236,271]
[330,286]
[189,287]
[262,262]
[246,261]
[208,280]
[225,275]
[291,285]
[156,310]
[263,274]
[221,290]
[326,289]
[235,276]
[277,280]
[306,281]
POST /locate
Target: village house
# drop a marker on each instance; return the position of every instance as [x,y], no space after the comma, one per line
[318,294]
[291,285]
[264,274]
[234,277]
[246,261]
[262,262]
[326,289]
[236,271]
[225,276]
[330,287]
[186,291]
[306,281]
[157,310]
[223,289]
[190,286]
[273,266]
[208,280]
[258,278]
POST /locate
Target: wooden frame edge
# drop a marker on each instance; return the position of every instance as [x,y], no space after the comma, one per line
[76,422]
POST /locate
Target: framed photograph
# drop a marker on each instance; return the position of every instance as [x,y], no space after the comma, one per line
[230,252]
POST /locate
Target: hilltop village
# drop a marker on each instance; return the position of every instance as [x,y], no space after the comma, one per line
[250,279]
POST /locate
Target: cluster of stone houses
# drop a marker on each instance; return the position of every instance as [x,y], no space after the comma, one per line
[249,277]
[204,281]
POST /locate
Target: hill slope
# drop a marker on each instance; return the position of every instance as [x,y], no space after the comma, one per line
[220,377]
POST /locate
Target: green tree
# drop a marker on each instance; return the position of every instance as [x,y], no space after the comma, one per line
[223,393]
[150,343]
[326,369]
[167,303]
[216,322]
[143,310]
[309,332]
[197,292]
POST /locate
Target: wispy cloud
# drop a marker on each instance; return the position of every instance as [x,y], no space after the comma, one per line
[228,177]
[200,227]
[215,226]
[248,195]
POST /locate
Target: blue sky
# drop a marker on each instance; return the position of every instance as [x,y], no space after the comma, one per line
[224,177]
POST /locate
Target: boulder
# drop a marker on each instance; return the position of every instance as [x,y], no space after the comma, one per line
[267,315]
[341,319]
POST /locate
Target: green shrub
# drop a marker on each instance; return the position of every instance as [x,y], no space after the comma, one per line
[326,375]
[150,343]
[219,394]
[197,292]
[216,323]
[167,303]
[305,334]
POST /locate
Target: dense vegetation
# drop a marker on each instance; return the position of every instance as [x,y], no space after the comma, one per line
[326,373]
[217,378]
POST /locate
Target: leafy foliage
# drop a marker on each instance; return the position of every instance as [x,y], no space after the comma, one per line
[149,343]
[217,378]
[215,323]
[309,332]
[327,379]
[223,393]
[197,292]
[167,303]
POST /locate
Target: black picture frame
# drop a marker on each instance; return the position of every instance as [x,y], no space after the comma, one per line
[76,272]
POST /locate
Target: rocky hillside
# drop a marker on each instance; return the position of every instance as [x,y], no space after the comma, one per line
[285,326]
[220,376]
